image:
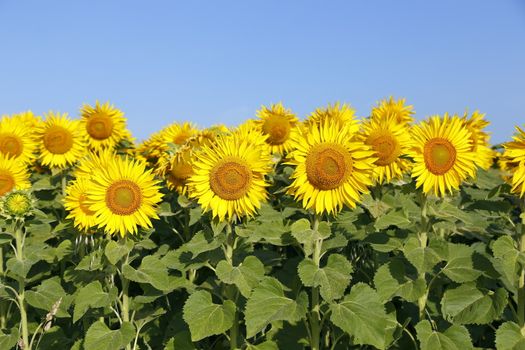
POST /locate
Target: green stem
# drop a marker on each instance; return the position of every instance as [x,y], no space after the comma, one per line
[423,241]
[521,287]
[234,332]
[124,312]
[315,315]
[3,316]
[21,288]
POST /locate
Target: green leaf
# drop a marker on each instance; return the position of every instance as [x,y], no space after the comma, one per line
[8,341]
[115,251]
[100,337]
[333,278]
[454,338]
[423,258]
[468,305]
[91,296]
[391,280]
[306,236]
[267,345]
[510,337]
[206,318]
[47,294]
[246,276]
[362,315]
[338,241]
[393,218]
[506,260]
[268,303]
[153,271]
[460,265]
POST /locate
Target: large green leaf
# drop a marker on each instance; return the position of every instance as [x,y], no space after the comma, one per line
[306,236]
[362,315]
[510,337]
[47,294]
[268,303]
[393,218]
[115,251]
[100,337]
[206,318]
[506,260]
[460,265]
[467,304]
[245,276]
[332,279]
[8,341]
[91,296]
[453,338]
[153,271]
[391,280]
[423,258]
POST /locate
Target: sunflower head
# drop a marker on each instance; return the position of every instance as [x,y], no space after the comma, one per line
[442,154]
[61,144]
[513,161]
[123,196]
[278,123]
[229,177]
[17,204]
[390,140]
[76,203]
[13,175]
[16,139]
[332,167]
[103,125]
[392,108]
[480,139]
[177,168]
[337,113]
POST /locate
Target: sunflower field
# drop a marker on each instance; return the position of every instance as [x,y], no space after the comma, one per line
[328,232]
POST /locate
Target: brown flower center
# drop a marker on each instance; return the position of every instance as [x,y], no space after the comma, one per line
[277,128]
[123,197]
[11,145]
[230,179]
[7,182]
[99,126]
[328,165]
[58,140]
[440,155]
[386,147]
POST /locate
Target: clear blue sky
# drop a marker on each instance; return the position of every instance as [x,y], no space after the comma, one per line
[219,61]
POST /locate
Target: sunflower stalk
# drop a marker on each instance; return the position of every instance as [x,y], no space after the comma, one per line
[125,291]
[19,237]
[315,316]
[423,241]
[521,281]
[231,291]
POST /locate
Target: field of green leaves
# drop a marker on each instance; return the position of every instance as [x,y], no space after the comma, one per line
[404,269]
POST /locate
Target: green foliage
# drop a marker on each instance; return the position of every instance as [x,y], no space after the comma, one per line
[399,271]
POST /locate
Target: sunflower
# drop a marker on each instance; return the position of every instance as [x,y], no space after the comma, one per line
[16,140]
[279,124]
[13,175]
[123,195]
[480,139]
[103,126]
[229,177]
[61,144]
[337,113]
[94,160]
[332,167]
[390,140]
[75,202]
[177,169]
[207,137]
[17,204]
[403,114]
[442,154]
[513,161]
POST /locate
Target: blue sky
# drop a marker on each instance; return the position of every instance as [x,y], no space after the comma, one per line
[219,61]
